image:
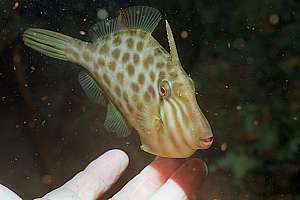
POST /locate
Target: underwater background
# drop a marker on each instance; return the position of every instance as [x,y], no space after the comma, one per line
[242,55]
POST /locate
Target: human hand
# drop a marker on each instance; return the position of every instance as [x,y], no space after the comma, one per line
[163,179]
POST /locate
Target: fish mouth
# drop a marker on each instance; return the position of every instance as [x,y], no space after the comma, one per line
[206,143]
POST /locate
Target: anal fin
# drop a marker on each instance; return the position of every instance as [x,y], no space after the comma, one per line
[115,122]
[91,88]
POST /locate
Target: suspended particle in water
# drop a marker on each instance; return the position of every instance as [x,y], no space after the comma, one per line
[223,147]
[82,32]
[274,19]
[47,179]
[102,13]
[239,107]
[184,34]
[16,5]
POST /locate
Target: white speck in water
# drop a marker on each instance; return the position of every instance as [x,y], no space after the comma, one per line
[274,19]
[295,118]
[102,13]
[82,32]
[228,45]
[226,86]
[16,5]
[24,122]
[256,122]
[239,107]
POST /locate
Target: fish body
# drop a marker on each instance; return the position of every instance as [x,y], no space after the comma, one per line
[144,85]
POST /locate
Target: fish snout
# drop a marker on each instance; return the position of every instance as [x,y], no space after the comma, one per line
[206,140]
[206,143]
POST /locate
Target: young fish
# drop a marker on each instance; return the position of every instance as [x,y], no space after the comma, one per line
[145,87]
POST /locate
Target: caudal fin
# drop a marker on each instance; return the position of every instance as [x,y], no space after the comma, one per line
[50,43]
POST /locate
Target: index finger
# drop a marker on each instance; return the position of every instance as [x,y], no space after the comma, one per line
[185,183]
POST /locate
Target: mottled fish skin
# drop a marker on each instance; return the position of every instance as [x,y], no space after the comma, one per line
[149,87]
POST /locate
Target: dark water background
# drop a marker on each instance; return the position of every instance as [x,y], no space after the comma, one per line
[242,55]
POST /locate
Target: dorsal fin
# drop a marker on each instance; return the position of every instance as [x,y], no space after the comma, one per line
[135,17]
[172,45]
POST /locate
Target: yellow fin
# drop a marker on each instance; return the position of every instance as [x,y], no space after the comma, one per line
[116,123]
[91,88]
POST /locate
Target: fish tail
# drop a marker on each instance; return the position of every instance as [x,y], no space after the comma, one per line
[50,43]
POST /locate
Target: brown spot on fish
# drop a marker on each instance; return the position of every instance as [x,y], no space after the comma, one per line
[152,76]
[135,87]
[125,57]
[162,74]
[143,34]
[148,61]
[87,56]
[118,91]
[169,66]
[112,66]
[116,53]
[140,106]
[141,78]
[136,58]
[151,91]
[160,65]
[104,49]
[129,107]
[117,41]
[100,62]
[130,69]
[140,46]
[120,77]
[147,97]
[106,80]
[129,42]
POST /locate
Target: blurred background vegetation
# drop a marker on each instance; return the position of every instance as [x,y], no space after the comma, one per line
[242,55]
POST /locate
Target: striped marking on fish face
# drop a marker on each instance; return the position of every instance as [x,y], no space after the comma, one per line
[184,124]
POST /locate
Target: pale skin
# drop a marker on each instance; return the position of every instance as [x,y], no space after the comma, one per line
[163,179]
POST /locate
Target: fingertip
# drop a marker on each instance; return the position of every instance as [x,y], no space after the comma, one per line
[190,176]
[166,166]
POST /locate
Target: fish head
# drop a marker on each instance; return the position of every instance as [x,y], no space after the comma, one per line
[179,111]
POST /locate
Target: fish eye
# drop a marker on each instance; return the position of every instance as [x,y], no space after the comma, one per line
[164,88]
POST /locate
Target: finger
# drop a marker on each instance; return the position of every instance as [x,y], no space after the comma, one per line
[149,180]
[185,183]
[6,193]
[95,179]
